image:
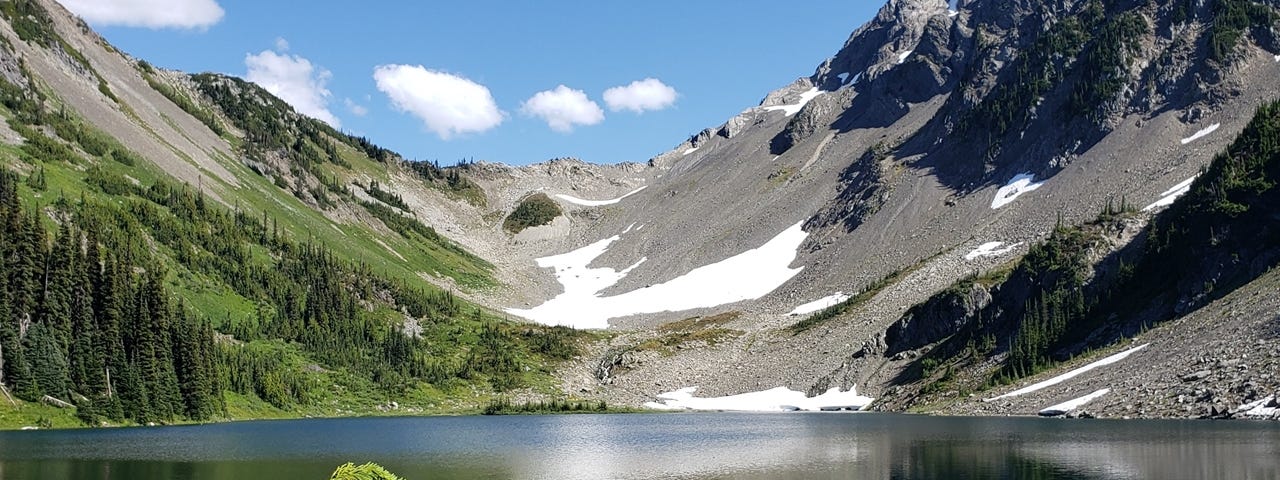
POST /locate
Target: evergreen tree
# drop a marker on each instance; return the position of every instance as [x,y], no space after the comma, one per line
[108,293]
[48,363]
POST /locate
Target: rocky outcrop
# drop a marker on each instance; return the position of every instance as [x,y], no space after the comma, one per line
[864,187]
[813,117]
[938,318]
[879,45]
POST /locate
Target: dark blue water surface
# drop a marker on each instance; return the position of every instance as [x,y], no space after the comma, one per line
[694,445]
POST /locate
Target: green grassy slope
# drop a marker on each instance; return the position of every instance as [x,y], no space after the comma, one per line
[260,305]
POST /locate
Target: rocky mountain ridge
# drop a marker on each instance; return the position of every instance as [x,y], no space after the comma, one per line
[939,144]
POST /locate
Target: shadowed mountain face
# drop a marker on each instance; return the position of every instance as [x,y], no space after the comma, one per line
[937,146]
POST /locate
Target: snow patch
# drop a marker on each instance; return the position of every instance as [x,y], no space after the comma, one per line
[691,150]
[990,249]
[629,227]
[844,77]
[1277,58]
[1022,183]
[819,304]
[1259,408]
[747,276]
[1169,196]
[902,57]
[1070,405]
[780,399]
[1202,133]
[1072,374]
[597,203]
[793,109]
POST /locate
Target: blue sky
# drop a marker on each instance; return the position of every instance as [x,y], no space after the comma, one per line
[435,60]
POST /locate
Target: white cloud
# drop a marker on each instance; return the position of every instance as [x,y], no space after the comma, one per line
[154,14]
[562,108]
[282,45]
[640,96]
[447,104]
[355,108]
[295,80]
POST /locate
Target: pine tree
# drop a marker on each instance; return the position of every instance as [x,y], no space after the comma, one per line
[85,360]
[134,399]
[48,363]
[108,297]
[156,349]
[55,304]
[191,358]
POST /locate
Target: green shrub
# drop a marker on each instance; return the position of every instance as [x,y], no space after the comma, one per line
[534,211]
[368,471]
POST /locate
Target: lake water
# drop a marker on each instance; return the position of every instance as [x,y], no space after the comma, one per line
[694,445]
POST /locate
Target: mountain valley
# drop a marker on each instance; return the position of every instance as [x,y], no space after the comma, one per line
[965,199]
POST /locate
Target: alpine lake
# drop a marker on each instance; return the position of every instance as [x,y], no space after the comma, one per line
[643,446]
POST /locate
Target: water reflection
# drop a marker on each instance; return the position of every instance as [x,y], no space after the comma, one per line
[658,446]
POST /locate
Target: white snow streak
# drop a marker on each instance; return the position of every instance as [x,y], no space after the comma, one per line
[1069,405]
[1020,184]
[1201,134]
[902,57]
[1259,408]
[747,276]
[780,399]
[819,304]
[1072,374]
[795,108]
[597,203]
[990,249]
[691,150]
[1169,196]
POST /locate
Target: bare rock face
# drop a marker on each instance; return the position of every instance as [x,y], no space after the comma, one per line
[11,68]
[936,319]
[863,190]
[736,124]
[878,46]
[814,116]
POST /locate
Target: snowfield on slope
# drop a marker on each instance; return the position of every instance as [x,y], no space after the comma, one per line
[990,249]
[1072,374]
[780,399]
[819,304]
[1202,133]
[793,109]
[1169,196]
[1019,185]
[597,203]
[1070,405]
[747,276]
